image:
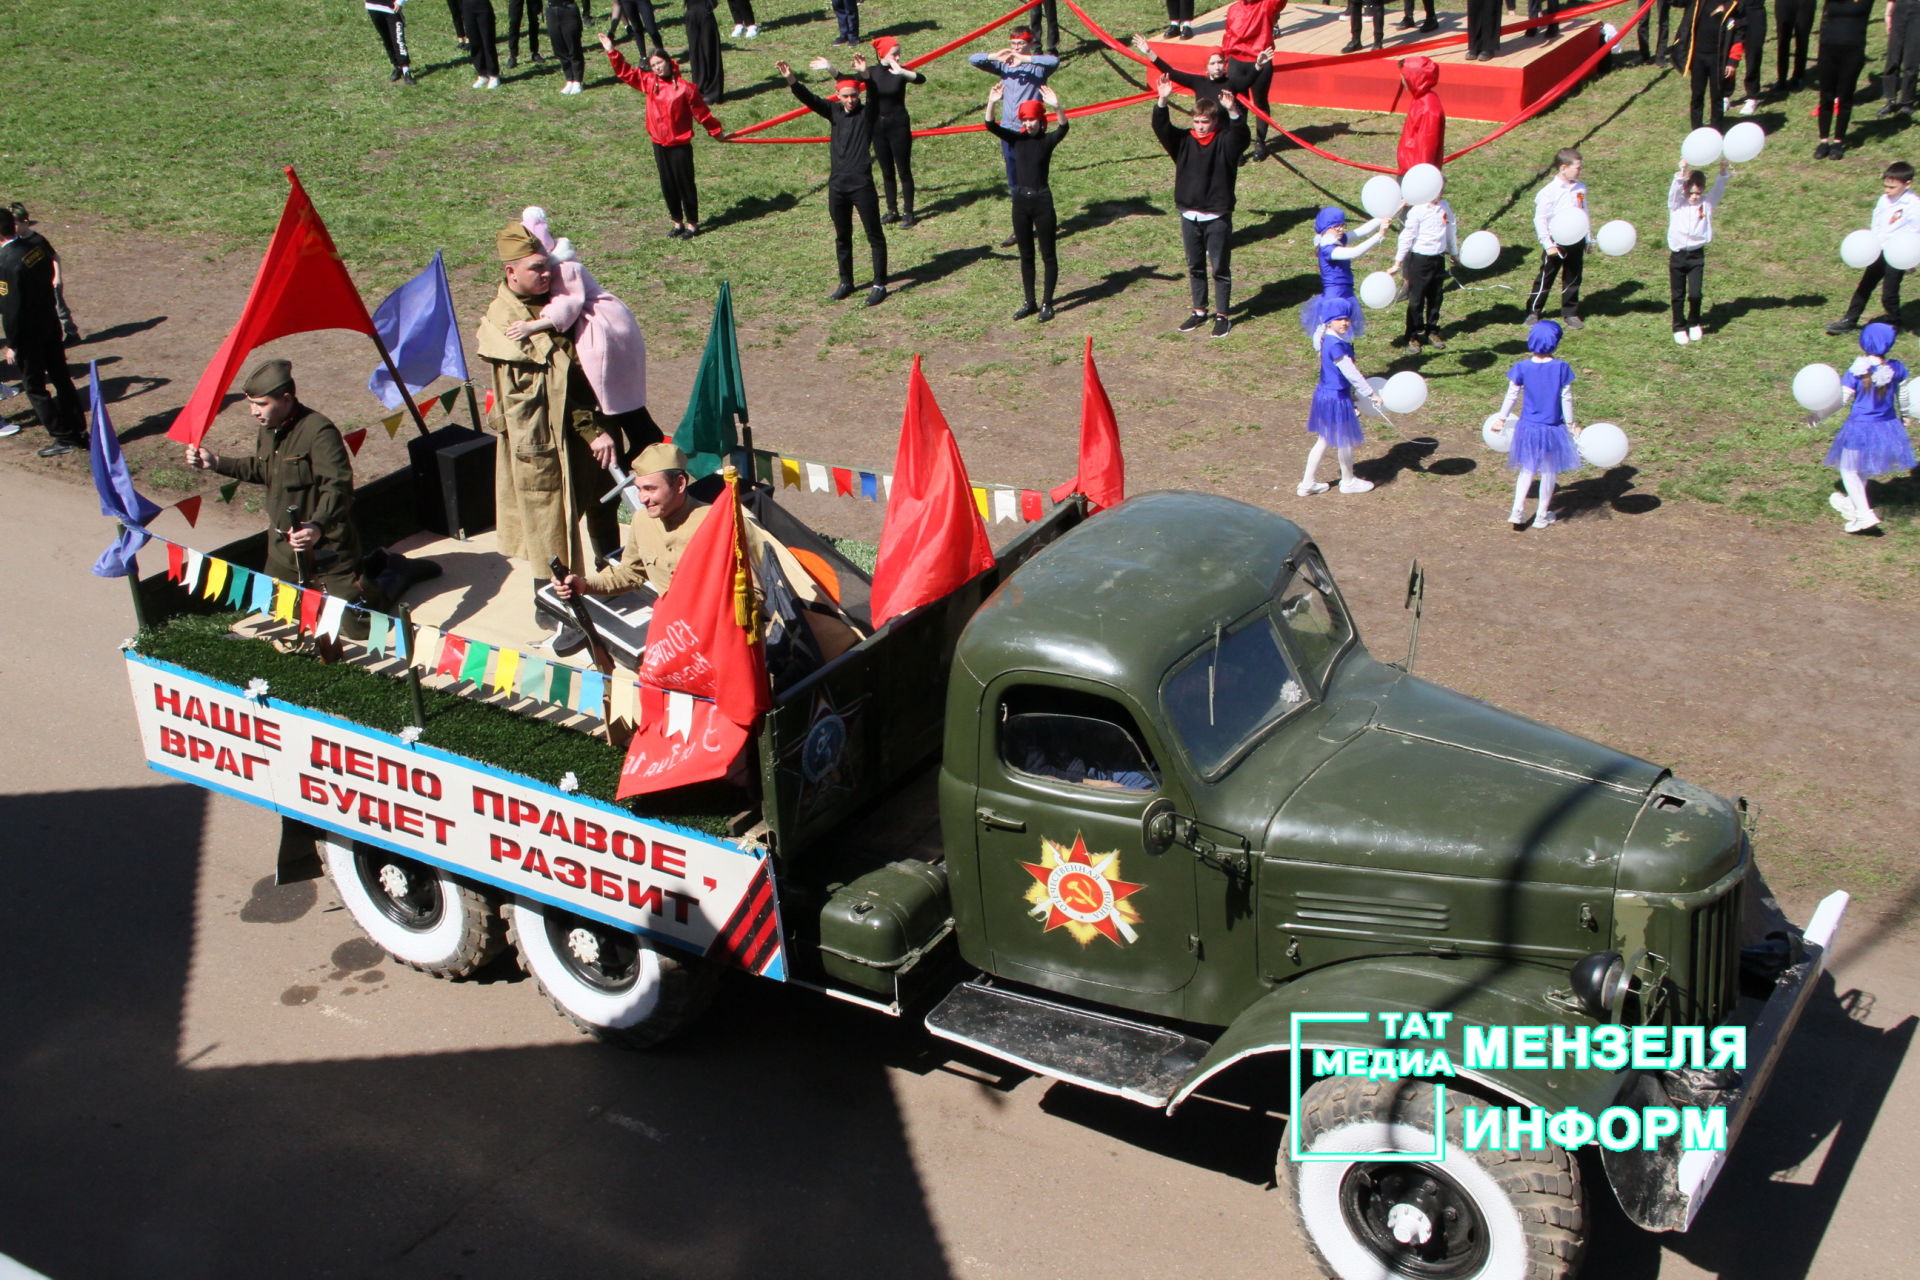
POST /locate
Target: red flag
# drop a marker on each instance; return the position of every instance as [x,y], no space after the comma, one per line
[1030,506]
[190,508]
[1103,472]
[933,539]
[704,640]
[354,439]
[301,286]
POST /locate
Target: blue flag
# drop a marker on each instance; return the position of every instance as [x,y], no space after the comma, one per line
[422,334]
[117,495]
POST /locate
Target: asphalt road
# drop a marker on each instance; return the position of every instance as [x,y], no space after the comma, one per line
[204,1075]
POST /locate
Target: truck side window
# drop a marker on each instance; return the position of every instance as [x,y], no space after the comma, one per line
[1080,739]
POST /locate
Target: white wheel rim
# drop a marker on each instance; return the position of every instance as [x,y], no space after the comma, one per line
[614,1010]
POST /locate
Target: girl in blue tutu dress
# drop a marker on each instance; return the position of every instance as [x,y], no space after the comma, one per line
[1873,440]
[1333,417]
[1543,438]
[1336,257]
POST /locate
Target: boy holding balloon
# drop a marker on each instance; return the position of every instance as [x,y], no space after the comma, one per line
[1690,207]
[1561,220]
[1428,237]
[1897,211]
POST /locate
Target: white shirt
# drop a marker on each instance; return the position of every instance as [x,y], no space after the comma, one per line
[1556,195]
[1430,229]
[1690,226]
[1897,214]
[1369,233]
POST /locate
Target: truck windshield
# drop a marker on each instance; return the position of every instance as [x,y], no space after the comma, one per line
[1229,689]
[1316,621]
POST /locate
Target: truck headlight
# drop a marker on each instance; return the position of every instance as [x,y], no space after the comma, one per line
[1600,982]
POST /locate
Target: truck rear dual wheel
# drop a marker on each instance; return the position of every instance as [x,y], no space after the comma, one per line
[616,985]
[420,915]
[1492,1215]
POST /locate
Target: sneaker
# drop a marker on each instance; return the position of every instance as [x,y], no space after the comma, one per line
[1193,321]
[1845,324]
[60,447]
[890,217]
[1838,501]
[841,292]
[1010,241]
[1259,149]
[1186,31]
[738,27]
[1221,327]
[753,29]
[1026,309]
[1694,334]
[1887,108]
[513,60]
[1405,24]
[1307,488]
[1431,24]
[688,233]
[479,82]
[395,76]
[406,76]
[1822,151]
[1859,524]
[1412,345]
[1750,106]
[1572,322]
[1435,341]
[876,295]
[1356,485]
[538,56]
[908,222]
[493,82]
[1680,337]
[9,428]
[71,337]
[673,233]
[1046,312]
[1172,32]
[1533,318]
[1838,152]
[1542,519]
[1517,516]
[1352,46]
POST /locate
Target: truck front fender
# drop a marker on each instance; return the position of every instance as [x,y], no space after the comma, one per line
[1477,992]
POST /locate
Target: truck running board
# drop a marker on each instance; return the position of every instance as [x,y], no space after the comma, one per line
[1109,1055]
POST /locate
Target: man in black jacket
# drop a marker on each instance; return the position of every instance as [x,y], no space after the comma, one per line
[1206,162]
[849,179]
[31,329]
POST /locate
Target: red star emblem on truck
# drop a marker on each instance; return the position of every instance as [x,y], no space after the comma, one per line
[1082,892]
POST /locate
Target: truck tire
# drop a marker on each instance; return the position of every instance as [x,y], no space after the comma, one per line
[418,914]
[610,983]
[1494,1215]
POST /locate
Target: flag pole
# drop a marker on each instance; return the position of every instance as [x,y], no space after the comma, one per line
[473,401]
[386,358]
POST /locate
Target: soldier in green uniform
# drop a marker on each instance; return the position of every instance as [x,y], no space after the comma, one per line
[553,447]
[304,464]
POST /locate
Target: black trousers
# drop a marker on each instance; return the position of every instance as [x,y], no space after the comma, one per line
[393,36]
[1407,16]
[459,30]
[1878,272]
[846,14]
[1377,8]
[893,148]
[1685,270]
[43,365]
[1903,52]
[530,9]
[1568,266]
[1543,9]
[1179,10]
[1706,84]
[1840,67]
[840,208]
[1209,247]
[1664,11]
[1034,224]
[1426,277]
[1244,77]
[477,20]
[1483,27]
[640,17]
[1792,32]
[1753,34]
[563,30]
[1050,22]
[676,182]
[742,11]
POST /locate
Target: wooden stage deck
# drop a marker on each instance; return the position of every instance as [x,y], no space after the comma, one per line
[1495,90]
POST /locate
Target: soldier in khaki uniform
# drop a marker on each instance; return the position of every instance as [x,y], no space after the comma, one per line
[301,459]
[553,447]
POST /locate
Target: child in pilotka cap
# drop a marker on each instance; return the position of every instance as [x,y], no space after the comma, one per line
[1897,209]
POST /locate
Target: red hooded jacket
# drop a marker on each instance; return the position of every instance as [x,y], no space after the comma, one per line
[1423,138]
[672,105]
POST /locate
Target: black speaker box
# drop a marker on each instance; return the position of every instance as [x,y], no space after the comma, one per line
[453,480]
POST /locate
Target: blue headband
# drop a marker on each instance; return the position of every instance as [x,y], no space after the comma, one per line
[1543,338]
[1329,218]
[1877,338]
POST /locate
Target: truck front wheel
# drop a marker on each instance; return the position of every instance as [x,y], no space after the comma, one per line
[419,915]
[614,984]
[1492,1215]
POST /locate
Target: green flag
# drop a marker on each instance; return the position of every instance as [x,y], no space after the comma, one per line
[719,396]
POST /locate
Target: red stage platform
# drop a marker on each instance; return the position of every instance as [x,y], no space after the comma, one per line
[1496,90]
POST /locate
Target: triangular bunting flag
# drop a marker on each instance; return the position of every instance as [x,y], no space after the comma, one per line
[228,489]
[392,423]
[447,398]
[190,508]
[354,439]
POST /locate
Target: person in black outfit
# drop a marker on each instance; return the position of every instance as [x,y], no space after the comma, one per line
[1206,163]
[1843,52]
[1548,9]
[1206,88]
[744,23]
[563,31]
[1705,52]
[393,36]
[31,330]
[1792,30]
[482,29]
[849,179]
[1179,19]
[459,32]
[531,10]
[1406,23]
[640,17]
[1483,30]
[1903,56]
[892,126]
[846,16]
[1033,216]
[704,66]
[1377,10]
[1753,36]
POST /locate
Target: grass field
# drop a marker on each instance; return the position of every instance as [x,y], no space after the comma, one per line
[173,119]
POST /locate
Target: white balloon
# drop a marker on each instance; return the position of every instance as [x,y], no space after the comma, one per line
[1405,392]
[1903,250]
[1478,251]
[1380,197]
[1744,142]
[1377,290]
[1817,387]
[1602,445]
[1570,226]
[1497,432]
[1701,148]
[1421,184]
[1379,385]
[1617,237]
[1859,249]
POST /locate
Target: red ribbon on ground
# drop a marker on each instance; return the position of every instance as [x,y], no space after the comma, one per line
[1091,109]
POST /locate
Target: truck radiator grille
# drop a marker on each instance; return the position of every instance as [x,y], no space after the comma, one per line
[1710,986]
[1346,911]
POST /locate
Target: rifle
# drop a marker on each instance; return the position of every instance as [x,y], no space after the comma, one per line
[596,647]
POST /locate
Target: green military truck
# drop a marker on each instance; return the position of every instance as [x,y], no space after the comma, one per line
[1187,823]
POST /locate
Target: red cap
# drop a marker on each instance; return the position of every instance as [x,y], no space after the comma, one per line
[884,45]
[849,83]
[1033,109]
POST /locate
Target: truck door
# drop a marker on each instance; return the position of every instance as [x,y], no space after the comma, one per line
[1070,898]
